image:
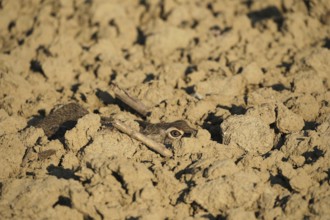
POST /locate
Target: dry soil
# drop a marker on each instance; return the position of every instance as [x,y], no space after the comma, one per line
[252,76]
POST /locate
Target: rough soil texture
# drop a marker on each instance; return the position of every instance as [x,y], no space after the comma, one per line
[252,76]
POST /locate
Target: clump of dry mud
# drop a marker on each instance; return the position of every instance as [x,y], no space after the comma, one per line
[252,76]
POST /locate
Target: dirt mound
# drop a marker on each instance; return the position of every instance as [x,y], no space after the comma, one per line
[252,77]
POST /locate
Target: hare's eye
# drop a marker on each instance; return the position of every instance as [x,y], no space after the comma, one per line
[175,133]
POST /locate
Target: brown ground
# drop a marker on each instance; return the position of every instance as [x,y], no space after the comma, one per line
[252,76]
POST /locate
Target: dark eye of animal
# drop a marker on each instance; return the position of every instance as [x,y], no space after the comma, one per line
[175,133]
